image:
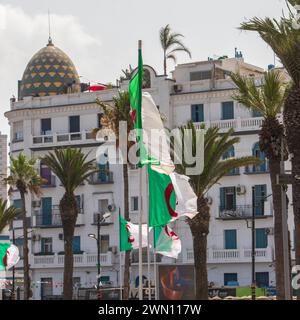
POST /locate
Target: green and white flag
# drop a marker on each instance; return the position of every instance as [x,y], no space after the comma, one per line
[170,197]
[166,242]
[129,235]
[9,256]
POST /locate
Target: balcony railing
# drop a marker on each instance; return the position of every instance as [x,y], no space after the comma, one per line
[57,260]
[234,255]
[53,220]
[245,211]
[262,168]
[103,222]
[63,138]
[247,124]
[101,178]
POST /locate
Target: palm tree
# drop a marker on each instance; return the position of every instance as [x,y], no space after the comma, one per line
[72,168]
[171,43]
[283,37]
[113,114]
[7,214]
[215,146]
[268,101]
[24,177]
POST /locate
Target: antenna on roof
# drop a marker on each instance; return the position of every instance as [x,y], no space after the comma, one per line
[49,29]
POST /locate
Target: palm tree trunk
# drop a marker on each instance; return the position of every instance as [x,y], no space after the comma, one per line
[200,228]
[68,210]
[278,238]
[25,249]
[126,216]
[292,125]
[165,63]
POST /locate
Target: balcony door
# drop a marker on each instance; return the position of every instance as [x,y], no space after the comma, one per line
[260,192]
[228,199]
[74,124]
[47,211]
[46,288]
[256,152]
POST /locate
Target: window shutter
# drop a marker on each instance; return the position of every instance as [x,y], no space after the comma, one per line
[222,198]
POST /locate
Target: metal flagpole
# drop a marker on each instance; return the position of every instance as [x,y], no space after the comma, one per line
[120,253]
[140,220]
[148,246]
[155,272]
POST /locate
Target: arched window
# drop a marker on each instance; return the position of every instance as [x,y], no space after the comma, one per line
[256,152]
[230,153]
[146,79]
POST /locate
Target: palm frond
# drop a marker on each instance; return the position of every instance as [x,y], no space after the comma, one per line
[7,214]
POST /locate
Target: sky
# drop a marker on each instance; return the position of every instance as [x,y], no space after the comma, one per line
[101,36]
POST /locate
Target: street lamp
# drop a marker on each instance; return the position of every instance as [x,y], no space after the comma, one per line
[100,219]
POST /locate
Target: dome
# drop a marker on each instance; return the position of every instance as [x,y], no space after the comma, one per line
[49,72]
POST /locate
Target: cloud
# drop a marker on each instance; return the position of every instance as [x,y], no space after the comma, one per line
[22,35]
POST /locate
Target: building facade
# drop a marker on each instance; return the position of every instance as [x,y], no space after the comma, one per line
[199,91]
[3,164]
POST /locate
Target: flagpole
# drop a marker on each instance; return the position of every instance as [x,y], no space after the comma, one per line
[120,254]
[140,220]
[155,274]
[148,245]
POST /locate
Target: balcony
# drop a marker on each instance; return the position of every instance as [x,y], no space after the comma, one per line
[103,222]
[53,220]
[245,212]
[101,178]
[63,139]
[233,256]
[247,124]
[50,182]
[263,168]
[80,260]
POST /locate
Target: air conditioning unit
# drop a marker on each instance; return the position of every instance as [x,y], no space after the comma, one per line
[240,189]
[177,88]
[61,236]
[111,207]
[270,231]
[36,237]
[36,203]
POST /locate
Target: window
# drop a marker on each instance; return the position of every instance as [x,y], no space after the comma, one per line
[228,198]
[46,245]
[134,203]
[46,211]
[230,239]
[18,205]
[45,126]
[104,243]
[197,113]
[76,244]
[103,166]
[74,124]
[46,288]
[102,205]
[18,131]
[260,193]
[261,238]
[76,282]
[256,114]
[262,279]
[256,152]
[19,243]
[45,173]
[227,110]
[79,202]
[230,279]
[200,75]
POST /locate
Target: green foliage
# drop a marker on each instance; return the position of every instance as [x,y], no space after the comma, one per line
[71,167]
[23,175]
[267,99]
[7,214]
[215,146]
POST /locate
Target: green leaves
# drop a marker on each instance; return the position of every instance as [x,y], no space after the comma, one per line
[267,99]
[70,166]
[7,214]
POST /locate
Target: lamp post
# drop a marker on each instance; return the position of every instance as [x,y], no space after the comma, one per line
[97,238]
[253,283]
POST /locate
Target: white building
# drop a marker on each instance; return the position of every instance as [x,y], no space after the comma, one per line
[51,111]
[3,164]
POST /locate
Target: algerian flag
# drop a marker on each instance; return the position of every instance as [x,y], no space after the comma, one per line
[155,138]
[166,241]
[9,256]
[129,235]
[170,197]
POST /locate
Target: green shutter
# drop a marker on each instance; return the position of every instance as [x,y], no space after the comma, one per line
[261,238]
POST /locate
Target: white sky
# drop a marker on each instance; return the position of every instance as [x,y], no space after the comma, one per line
[101,36]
